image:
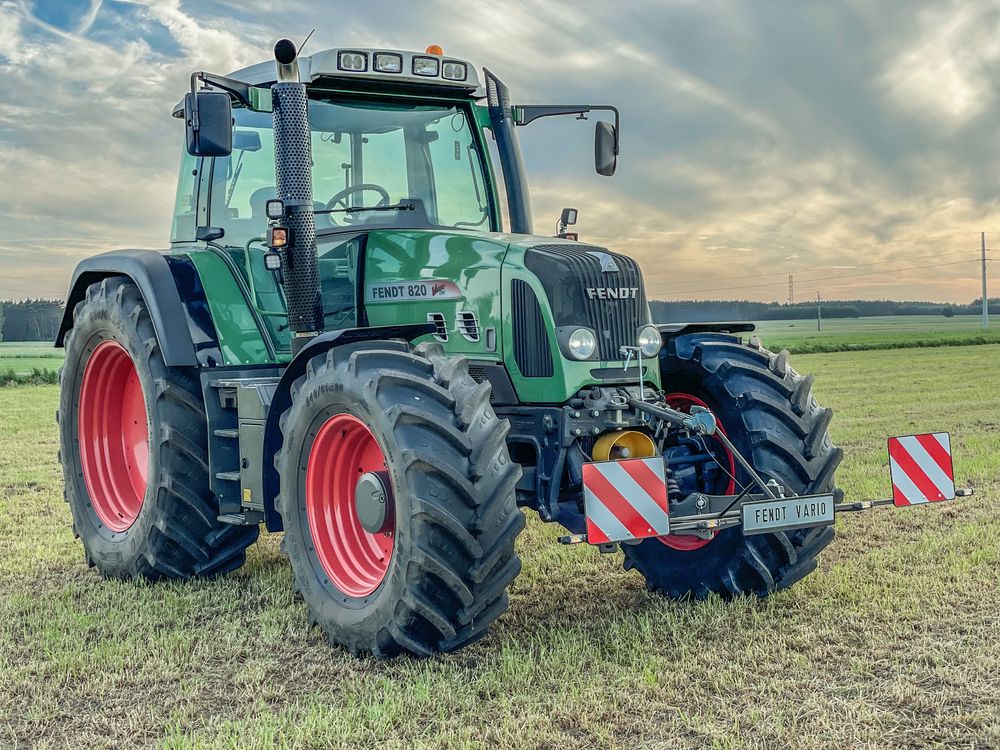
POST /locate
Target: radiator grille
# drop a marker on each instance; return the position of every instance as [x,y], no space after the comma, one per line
[567,272]
[531,339]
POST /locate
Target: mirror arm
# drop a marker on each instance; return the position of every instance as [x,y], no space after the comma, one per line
[524,114]
[239,90]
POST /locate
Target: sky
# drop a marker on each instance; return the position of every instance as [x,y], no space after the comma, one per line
[849,143]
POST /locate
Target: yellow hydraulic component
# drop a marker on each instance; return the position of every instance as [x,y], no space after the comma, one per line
[612,446]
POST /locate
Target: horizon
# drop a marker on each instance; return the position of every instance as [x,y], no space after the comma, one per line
[852,147]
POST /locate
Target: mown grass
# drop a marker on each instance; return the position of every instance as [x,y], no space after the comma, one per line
[893,643]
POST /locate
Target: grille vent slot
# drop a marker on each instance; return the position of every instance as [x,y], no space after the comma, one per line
[478,373]
[441,334]
[531,338]
[468,325]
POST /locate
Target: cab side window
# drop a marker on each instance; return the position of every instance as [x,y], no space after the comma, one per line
[186,201]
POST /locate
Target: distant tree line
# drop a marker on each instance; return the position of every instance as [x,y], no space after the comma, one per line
[38,319]
[685,311]
[30,320]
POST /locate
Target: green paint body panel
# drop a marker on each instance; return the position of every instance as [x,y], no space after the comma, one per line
[241,338]
[411,264]
[472,260]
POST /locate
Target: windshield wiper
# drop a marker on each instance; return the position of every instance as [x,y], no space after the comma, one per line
[358,209]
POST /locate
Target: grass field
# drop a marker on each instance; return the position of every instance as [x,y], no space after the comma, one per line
[798,336]
[22,358]
[887,332]
[893,643]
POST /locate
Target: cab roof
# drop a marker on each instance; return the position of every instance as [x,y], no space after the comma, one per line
[371,64]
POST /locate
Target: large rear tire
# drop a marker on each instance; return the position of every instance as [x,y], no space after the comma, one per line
[769,413]
[431,572]
[133,445]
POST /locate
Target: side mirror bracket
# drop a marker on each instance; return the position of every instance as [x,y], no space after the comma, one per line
[607,145]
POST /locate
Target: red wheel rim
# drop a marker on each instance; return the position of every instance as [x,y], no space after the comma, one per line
[354,559]
[683,402]
[114,436]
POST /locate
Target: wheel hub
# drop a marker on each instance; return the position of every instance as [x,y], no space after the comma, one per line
[373,501]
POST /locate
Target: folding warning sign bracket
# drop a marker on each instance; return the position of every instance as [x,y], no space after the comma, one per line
[921,469]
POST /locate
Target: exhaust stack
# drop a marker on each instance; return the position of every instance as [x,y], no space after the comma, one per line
[293,178]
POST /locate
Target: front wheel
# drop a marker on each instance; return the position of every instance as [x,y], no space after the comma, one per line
[769,413]
[397,499]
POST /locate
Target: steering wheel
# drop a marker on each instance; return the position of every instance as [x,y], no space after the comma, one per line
[340,199]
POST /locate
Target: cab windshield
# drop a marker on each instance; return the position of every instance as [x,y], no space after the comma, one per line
[375,164]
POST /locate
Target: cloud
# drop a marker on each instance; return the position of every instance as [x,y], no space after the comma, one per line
[759,139]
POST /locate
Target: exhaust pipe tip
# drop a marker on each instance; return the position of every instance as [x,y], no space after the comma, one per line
[285,55]
[284,51]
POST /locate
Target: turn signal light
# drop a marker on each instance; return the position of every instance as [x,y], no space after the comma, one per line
[434,49]
[277,236]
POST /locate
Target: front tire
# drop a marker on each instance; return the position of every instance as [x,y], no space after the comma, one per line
[769,413]
[432,573]
[133,445]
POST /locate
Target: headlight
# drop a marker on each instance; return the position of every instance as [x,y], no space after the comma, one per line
[582,343]
[454,71]
[650,341]
[387,62]
[356,61]
[426,66]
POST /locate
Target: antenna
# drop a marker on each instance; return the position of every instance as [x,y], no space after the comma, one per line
[306,40]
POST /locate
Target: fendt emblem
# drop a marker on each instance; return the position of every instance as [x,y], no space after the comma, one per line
[607,262]
[614,292]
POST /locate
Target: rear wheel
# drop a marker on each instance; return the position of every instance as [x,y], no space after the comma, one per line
[397,499]
[769,413]
[133,448]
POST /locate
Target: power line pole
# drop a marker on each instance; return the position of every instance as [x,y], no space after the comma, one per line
[791,289]
[986,299]
[819,312]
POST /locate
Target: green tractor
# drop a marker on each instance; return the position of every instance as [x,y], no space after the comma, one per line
[343,344]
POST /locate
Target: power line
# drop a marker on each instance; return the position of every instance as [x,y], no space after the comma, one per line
[821,278]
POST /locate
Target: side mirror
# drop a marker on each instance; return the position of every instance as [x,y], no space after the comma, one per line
[208,118]
[605,148]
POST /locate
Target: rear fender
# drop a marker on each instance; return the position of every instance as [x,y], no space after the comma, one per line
[152,273]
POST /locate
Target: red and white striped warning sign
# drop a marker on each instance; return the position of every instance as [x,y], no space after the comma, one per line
[921,468]
[625,500]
